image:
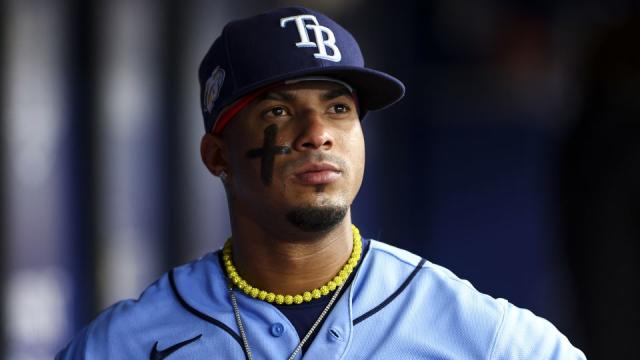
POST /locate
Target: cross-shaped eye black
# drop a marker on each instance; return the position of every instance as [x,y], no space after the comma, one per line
[268,153]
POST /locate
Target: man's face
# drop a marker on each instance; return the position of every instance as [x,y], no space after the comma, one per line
[296,153]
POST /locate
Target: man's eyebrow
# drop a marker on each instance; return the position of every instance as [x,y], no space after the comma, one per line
[276,95]
[287,96]
[334,93]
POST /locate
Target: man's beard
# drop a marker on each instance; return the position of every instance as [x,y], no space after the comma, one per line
[318,218]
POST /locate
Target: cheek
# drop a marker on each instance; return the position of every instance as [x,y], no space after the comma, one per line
[359,164]
[243,169]
[357,139]
[355,153]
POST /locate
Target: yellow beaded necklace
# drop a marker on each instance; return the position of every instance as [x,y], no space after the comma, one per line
[307,296]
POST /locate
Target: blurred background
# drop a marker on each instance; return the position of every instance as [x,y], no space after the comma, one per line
[513,160]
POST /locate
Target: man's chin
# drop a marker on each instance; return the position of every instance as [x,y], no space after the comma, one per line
[317,218]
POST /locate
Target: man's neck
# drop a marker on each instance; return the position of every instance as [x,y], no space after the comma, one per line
[290,265]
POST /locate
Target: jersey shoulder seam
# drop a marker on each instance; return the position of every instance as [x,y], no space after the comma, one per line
[391,297]
[380,246]
[497,336]
[440,270]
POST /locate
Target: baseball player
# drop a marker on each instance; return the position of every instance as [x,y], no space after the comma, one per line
[283,94]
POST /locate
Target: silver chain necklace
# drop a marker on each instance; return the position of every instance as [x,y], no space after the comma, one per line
[243,334]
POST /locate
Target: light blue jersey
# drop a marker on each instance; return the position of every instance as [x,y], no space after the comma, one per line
[397,307]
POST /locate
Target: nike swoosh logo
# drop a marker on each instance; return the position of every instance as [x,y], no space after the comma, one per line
[161,354]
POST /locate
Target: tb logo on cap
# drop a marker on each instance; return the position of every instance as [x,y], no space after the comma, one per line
[319,31]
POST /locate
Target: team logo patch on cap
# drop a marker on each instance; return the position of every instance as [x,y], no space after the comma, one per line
[321,42]
[213,87]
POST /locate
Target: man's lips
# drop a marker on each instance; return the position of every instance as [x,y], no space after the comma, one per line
[317,174]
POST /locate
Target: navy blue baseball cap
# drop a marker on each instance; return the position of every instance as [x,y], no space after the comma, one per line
[286,44]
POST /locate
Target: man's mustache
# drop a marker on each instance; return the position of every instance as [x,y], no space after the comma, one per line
[315,157]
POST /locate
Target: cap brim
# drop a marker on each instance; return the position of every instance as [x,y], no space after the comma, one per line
[375,90]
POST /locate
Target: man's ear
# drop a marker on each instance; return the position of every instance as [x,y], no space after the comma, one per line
[213,153]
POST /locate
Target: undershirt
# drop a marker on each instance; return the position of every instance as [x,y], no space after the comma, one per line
[302,316]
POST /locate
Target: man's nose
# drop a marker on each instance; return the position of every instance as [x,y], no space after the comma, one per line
[314,132]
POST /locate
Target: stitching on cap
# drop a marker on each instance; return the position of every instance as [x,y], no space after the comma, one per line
[301,10]
[228,52]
